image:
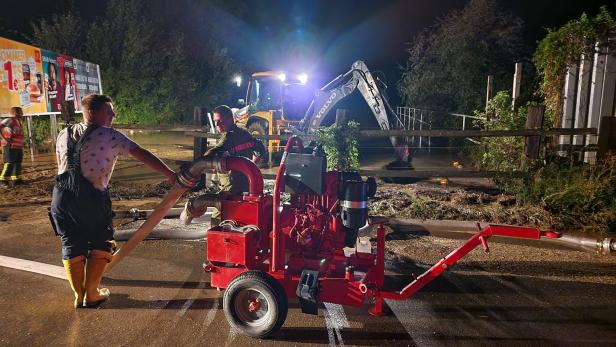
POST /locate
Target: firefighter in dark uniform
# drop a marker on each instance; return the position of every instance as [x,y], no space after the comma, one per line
[234,141]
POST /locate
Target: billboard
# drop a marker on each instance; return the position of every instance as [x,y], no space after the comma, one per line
[21,80]
[39,80]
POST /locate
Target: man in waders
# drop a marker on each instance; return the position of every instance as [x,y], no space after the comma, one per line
[234,141]
[12,137]
[81,209]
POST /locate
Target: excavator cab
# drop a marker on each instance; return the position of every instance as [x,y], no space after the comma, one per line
[274,103]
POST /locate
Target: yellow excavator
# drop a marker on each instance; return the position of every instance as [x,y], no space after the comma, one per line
[277,104]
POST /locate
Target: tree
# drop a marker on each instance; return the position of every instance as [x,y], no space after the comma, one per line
[449,63]
[64,33]
[153,66]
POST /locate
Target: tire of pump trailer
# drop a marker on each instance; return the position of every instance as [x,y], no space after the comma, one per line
[270,290]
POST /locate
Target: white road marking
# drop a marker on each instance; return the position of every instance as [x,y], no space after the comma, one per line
[211,314]
[33,266]
[191,301]
[335,319]
[409,313]
[232,335]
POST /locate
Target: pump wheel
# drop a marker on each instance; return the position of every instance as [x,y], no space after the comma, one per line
[255,304]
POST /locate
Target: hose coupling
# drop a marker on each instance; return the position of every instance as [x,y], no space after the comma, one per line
[185,180]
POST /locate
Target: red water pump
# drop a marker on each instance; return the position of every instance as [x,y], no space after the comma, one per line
[265,252]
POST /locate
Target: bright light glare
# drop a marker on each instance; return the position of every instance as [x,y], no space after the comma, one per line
[302,78]
[282,77]
[237,80]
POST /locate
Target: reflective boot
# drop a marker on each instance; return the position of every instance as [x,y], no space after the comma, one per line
[4,179]
[95,267]
[75,274]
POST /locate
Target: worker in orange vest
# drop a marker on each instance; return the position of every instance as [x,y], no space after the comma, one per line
[12,137]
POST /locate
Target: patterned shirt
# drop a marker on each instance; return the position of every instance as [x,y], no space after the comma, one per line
[99,152]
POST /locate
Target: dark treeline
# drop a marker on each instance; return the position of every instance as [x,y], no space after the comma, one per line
[158,59]
[448,64]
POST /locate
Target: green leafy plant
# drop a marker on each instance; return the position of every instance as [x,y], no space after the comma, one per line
[499,153]
[562,48]
[581,195]
[340,145]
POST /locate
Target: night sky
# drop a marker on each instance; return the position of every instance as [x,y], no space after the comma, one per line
[320,37]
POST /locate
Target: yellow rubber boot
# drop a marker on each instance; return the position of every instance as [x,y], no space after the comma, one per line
[95,267]
[75,274]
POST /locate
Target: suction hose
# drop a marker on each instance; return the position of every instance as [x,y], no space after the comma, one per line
[186,179]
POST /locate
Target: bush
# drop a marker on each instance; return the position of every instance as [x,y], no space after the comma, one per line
[340,145]
[562,48]
[41,133]
[582,195]
[499,153]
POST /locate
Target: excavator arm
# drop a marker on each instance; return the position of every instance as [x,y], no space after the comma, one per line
[358,77]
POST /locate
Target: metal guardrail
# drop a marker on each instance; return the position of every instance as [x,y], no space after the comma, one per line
[431,133]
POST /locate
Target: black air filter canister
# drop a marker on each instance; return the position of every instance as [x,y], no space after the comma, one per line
[354,204]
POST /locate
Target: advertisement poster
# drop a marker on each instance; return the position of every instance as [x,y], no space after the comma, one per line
[54,93]
[86,76]
[21,77]
[67,79]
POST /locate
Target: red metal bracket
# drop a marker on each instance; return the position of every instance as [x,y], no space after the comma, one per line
[479,238]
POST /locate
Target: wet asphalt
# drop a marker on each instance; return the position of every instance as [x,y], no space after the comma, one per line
[161,297]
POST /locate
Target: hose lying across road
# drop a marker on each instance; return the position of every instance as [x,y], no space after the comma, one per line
[584,243]
[144,230]
[186,179]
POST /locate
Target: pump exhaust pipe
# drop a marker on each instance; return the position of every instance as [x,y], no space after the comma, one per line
[186,179]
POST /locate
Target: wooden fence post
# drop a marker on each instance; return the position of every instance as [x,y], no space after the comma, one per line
[489,90]
[607,137]
[30,137]
[199,144]
[534,120]
[517,79]
[53,127]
